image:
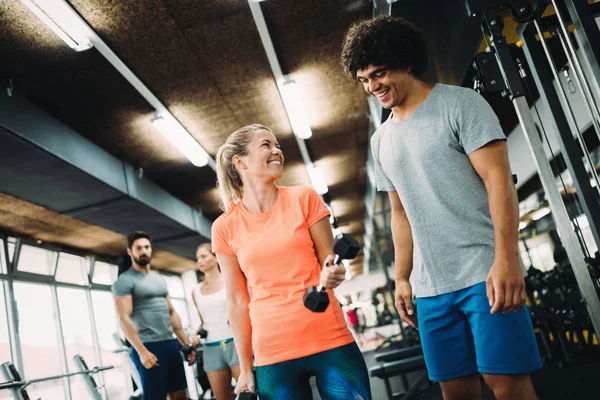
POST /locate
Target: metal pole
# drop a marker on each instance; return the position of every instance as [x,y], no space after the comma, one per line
[11,305]
[578,70]
[570,151]
[588,36]
[588,99]
[559,212]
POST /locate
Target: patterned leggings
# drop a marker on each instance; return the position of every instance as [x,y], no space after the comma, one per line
[341,374]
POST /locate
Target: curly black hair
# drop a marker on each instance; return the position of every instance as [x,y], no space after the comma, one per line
[385,40]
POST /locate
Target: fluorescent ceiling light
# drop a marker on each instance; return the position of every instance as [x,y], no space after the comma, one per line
[295,110]
[317,179]
[539,214]
[175,133]
[62,20]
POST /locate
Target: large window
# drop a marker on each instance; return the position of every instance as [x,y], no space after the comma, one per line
[36,260]
[77,334]
[106,326]
[72,269]
[60,314]
[177,296]
[39,342]
[105,274]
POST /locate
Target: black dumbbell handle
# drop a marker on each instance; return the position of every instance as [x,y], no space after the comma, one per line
[336,261]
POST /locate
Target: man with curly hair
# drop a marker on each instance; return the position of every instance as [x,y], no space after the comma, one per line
[443,158]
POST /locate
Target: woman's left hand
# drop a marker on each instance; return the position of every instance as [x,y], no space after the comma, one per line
[332,275]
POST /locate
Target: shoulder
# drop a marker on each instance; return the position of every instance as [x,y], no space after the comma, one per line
[225,219]
[463,94]
[298,192]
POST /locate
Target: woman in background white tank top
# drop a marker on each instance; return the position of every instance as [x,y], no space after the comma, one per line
[219,354]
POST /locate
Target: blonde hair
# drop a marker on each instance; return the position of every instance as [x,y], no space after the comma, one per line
[229,180]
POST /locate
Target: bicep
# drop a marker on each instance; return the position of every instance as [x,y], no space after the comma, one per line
[322,237]
[396,203]
[124,306]
[491,161]
[170,305]
[235,280]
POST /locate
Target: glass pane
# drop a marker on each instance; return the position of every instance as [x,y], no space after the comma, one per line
[36,260]
[106,325]
[105,273]
[77,334]
[181,308]
[11,247]
[5,354]
[37,331]
[72,269]
[174,286]
[2,258]
[54,389]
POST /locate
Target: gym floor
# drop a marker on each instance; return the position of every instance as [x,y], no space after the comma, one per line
[571,382]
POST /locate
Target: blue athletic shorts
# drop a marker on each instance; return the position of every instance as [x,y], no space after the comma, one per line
[168,377]
[341,374]
[460,337]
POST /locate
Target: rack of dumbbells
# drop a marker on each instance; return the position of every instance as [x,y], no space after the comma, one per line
[563,328]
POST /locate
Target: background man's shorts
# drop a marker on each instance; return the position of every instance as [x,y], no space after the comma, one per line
[168,376]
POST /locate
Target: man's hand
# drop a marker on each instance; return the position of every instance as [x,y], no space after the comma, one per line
[505,286]
[404,303]
[148,359]
[191,358]
[246,382]
[332,275]
[194,340]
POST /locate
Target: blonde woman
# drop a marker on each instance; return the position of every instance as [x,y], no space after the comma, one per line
[272,243]
[220,359]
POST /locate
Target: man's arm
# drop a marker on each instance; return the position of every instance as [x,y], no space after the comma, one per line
[505,284]
[403,250]
[176,323]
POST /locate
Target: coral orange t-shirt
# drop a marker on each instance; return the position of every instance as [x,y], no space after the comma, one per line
[276,254]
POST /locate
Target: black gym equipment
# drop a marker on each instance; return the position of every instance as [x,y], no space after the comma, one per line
[202,333]
[345,247]
[402,362]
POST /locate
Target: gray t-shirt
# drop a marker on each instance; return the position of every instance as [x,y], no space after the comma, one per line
[150,309]
[425,159]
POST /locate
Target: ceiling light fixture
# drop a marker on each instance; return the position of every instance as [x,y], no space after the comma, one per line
[179,137]
[317,179]
[60,19]
[295,109]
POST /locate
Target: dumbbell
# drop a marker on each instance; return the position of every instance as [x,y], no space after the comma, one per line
[186,349]
[246,396]
[345,247]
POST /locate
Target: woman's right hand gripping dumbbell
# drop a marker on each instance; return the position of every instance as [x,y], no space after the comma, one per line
[246,384]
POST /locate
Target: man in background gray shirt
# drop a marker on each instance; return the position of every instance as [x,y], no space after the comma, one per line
[149,320]
[443,158]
